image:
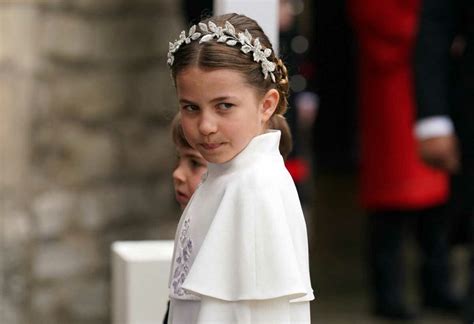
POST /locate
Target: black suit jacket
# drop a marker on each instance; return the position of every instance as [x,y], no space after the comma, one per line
[445,86]
[445,81]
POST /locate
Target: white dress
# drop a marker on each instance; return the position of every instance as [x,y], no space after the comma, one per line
[241,250]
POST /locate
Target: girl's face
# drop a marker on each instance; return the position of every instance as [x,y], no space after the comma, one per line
[220,112]
[187,175]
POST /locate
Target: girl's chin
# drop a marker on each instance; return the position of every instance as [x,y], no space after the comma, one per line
[218,158]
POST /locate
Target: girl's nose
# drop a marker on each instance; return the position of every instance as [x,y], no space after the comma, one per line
[207,124]
[178,174]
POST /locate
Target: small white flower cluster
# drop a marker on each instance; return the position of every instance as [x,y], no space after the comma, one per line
[226,35]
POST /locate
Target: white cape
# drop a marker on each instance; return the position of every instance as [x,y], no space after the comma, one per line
[243,235]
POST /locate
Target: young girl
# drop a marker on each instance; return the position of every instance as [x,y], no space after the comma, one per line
[241,253]
[191,166]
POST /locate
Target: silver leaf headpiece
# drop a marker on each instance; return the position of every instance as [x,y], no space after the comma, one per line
[226,35]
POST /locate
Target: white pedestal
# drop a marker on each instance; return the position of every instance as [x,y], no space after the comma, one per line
[140,272]
[265,12]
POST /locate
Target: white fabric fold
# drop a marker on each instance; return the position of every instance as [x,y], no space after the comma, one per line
[249,251]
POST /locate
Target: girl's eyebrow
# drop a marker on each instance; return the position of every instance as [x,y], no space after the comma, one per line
[186,101]
[221,98]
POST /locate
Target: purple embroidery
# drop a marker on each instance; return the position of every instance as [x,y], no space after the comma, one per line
[182,261]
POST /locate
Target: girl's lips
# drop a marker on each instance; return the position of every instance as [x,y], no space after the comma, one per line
[181,198]
[211,146]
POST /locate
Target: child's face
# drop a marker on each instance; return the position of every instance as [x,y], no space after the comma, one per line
[220,113]
[187,175]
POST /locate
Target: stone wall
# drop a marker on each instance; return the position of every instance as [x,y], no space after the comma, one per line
[86,159]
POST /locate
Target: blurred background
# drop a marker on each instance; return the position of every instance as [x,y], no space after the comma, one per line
[86,156]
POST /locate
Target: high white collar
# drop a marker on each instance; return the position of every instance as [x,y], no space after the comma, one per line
[264,144]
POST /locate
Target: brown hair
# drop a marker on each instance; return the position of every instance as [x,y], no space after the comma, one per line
[278,123]
[214,55]
[177,133]
[286,144]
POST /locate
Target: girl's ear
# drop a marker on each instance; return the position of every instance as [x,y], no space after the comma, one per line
[269,104]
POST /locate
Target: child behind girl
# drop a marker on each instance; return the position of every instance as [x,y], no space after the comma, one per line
[190,166]
[241,252]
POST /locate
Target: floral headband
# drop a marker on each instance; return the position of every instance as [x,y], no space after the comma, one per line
[227,35]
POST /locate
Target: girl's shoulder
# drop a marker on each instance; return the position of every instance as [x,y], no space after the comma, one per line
[259,227]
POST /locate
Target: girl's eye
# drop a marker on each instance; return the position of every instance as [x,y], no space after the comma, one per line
[196,164]
[178,158]
[190,108]
[225,106]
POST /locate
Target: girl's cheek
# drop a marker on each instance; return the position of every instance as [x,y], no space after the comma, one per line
[194,186]
[186,125]
[196,180]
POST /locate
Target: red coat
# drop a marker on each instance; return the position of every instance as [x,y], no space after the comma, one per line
[392,176]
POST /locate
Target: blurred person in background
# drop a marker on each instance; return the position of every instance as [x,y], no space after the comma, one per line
[336,213]
[397,189]
[334,81]
[444,74]
[293,49]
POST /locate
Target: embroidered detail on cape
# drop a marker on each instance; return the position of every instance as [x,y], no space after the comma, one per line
[182,260]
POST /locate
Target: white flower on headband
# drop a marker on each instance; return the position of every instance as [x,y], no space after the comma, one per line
[227,35]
